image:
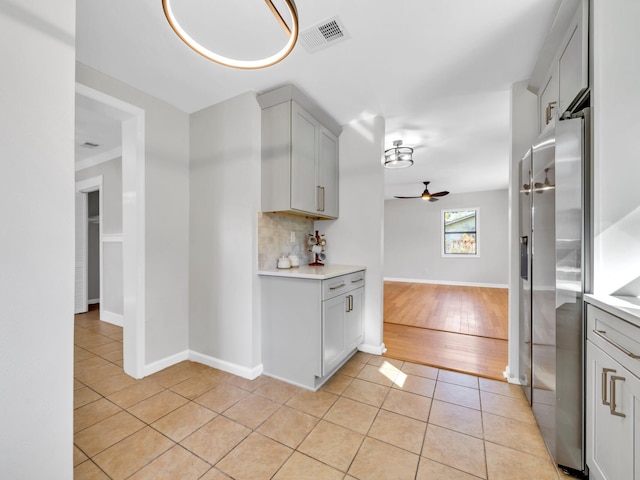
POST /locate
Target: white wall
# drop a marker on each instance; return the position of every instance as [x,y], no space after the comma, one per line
[166,216]
[36,239]
[616,123]
[225,199]
[412,247]
[111,172]
[356,238]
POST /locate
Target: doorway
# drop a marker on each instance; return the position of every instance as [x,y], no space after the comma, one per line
[94,260]
[462,328]
[131,239]
[89,257]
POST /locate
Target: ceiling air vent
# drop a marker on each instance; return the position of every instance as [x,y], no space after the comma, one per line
[323,35]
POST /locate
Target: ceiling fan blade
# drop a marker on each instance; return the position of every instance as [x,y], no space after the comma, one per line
[428,196]
[440,194]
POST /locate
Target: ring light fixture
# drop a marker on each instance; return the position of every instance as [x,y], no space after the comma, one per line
[236,63]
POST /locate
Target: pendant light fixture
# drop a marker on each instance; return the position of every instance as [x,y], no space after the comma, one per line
[237,63]
[398,156]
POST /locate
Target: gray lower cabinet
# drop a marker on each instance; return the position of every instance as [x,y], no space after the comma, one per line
[310,327]
[613,397]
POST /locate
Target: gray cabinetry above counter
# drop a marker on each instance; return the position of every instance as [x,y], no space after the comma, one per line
[299,156]
[561,76]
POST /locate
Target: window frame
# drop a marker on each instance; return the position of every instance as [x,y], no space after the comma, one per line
[443,233]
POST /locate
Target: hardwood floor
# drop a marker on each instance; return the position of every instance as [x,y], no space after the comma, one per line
[453,327]
[450,308]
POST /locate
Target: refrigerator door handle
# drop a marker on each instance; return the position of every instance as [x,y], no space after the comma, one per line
[524,257]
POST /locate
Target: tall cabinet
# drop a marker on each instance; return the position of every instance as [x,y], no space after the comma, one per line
[299,155]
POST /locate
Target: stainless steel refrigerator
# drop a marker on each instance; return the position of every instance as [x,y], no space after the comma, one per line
[554,221]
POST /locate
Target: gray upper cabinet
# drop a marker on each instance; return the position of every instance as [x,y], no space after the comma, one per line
[573,71]
[548,99]
[327,172]
[561,76]
[299,156]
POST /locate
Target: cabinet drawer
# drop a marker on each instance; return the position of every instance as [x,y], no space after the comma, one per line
[620,339]
[342,284]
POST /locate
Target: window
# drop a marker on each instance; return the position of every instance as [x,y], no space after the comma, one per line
[460,233]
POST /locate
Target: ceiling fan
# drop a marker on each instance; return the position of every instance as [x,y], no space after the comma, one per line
[429,196]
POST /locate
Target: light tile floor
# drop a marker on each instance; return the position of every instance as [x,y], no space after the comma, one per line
[377,418]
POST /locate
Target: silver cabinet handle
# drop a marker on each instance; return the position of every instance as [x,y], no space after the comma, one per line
[337,286]
[357,280]
[548,111]
[605,371]
[350,303]
[612,407]
[320,198]
[603,335]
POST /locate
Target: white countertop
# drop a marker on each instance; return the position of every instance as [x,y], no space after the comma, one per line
[316,273]
[627,308]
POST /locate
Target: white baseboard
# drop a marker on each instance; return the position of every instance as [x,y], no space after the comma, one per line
[163,363]
[93,301]
[110,317]
[244,372]
[373,349]
[239,370]
[445,282]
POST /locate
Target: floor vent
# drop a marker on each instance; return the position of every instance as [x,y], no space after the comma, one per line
[323,35]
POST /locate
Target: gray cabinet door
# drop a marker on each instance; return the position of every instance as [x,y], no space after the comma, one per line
[548,100]
[353,331]
[573,64]
[327,173]
[333,325]
[304,133]
[612,439]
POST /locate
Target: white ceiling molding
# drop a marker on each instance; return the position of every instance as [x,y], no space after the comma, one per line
[98,159]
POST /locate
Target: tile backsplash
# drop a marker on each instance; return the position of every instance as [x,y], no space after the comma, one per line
[274,238]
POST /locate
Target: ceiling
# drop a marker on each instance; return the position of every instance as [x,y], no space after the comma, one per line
[438,71]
